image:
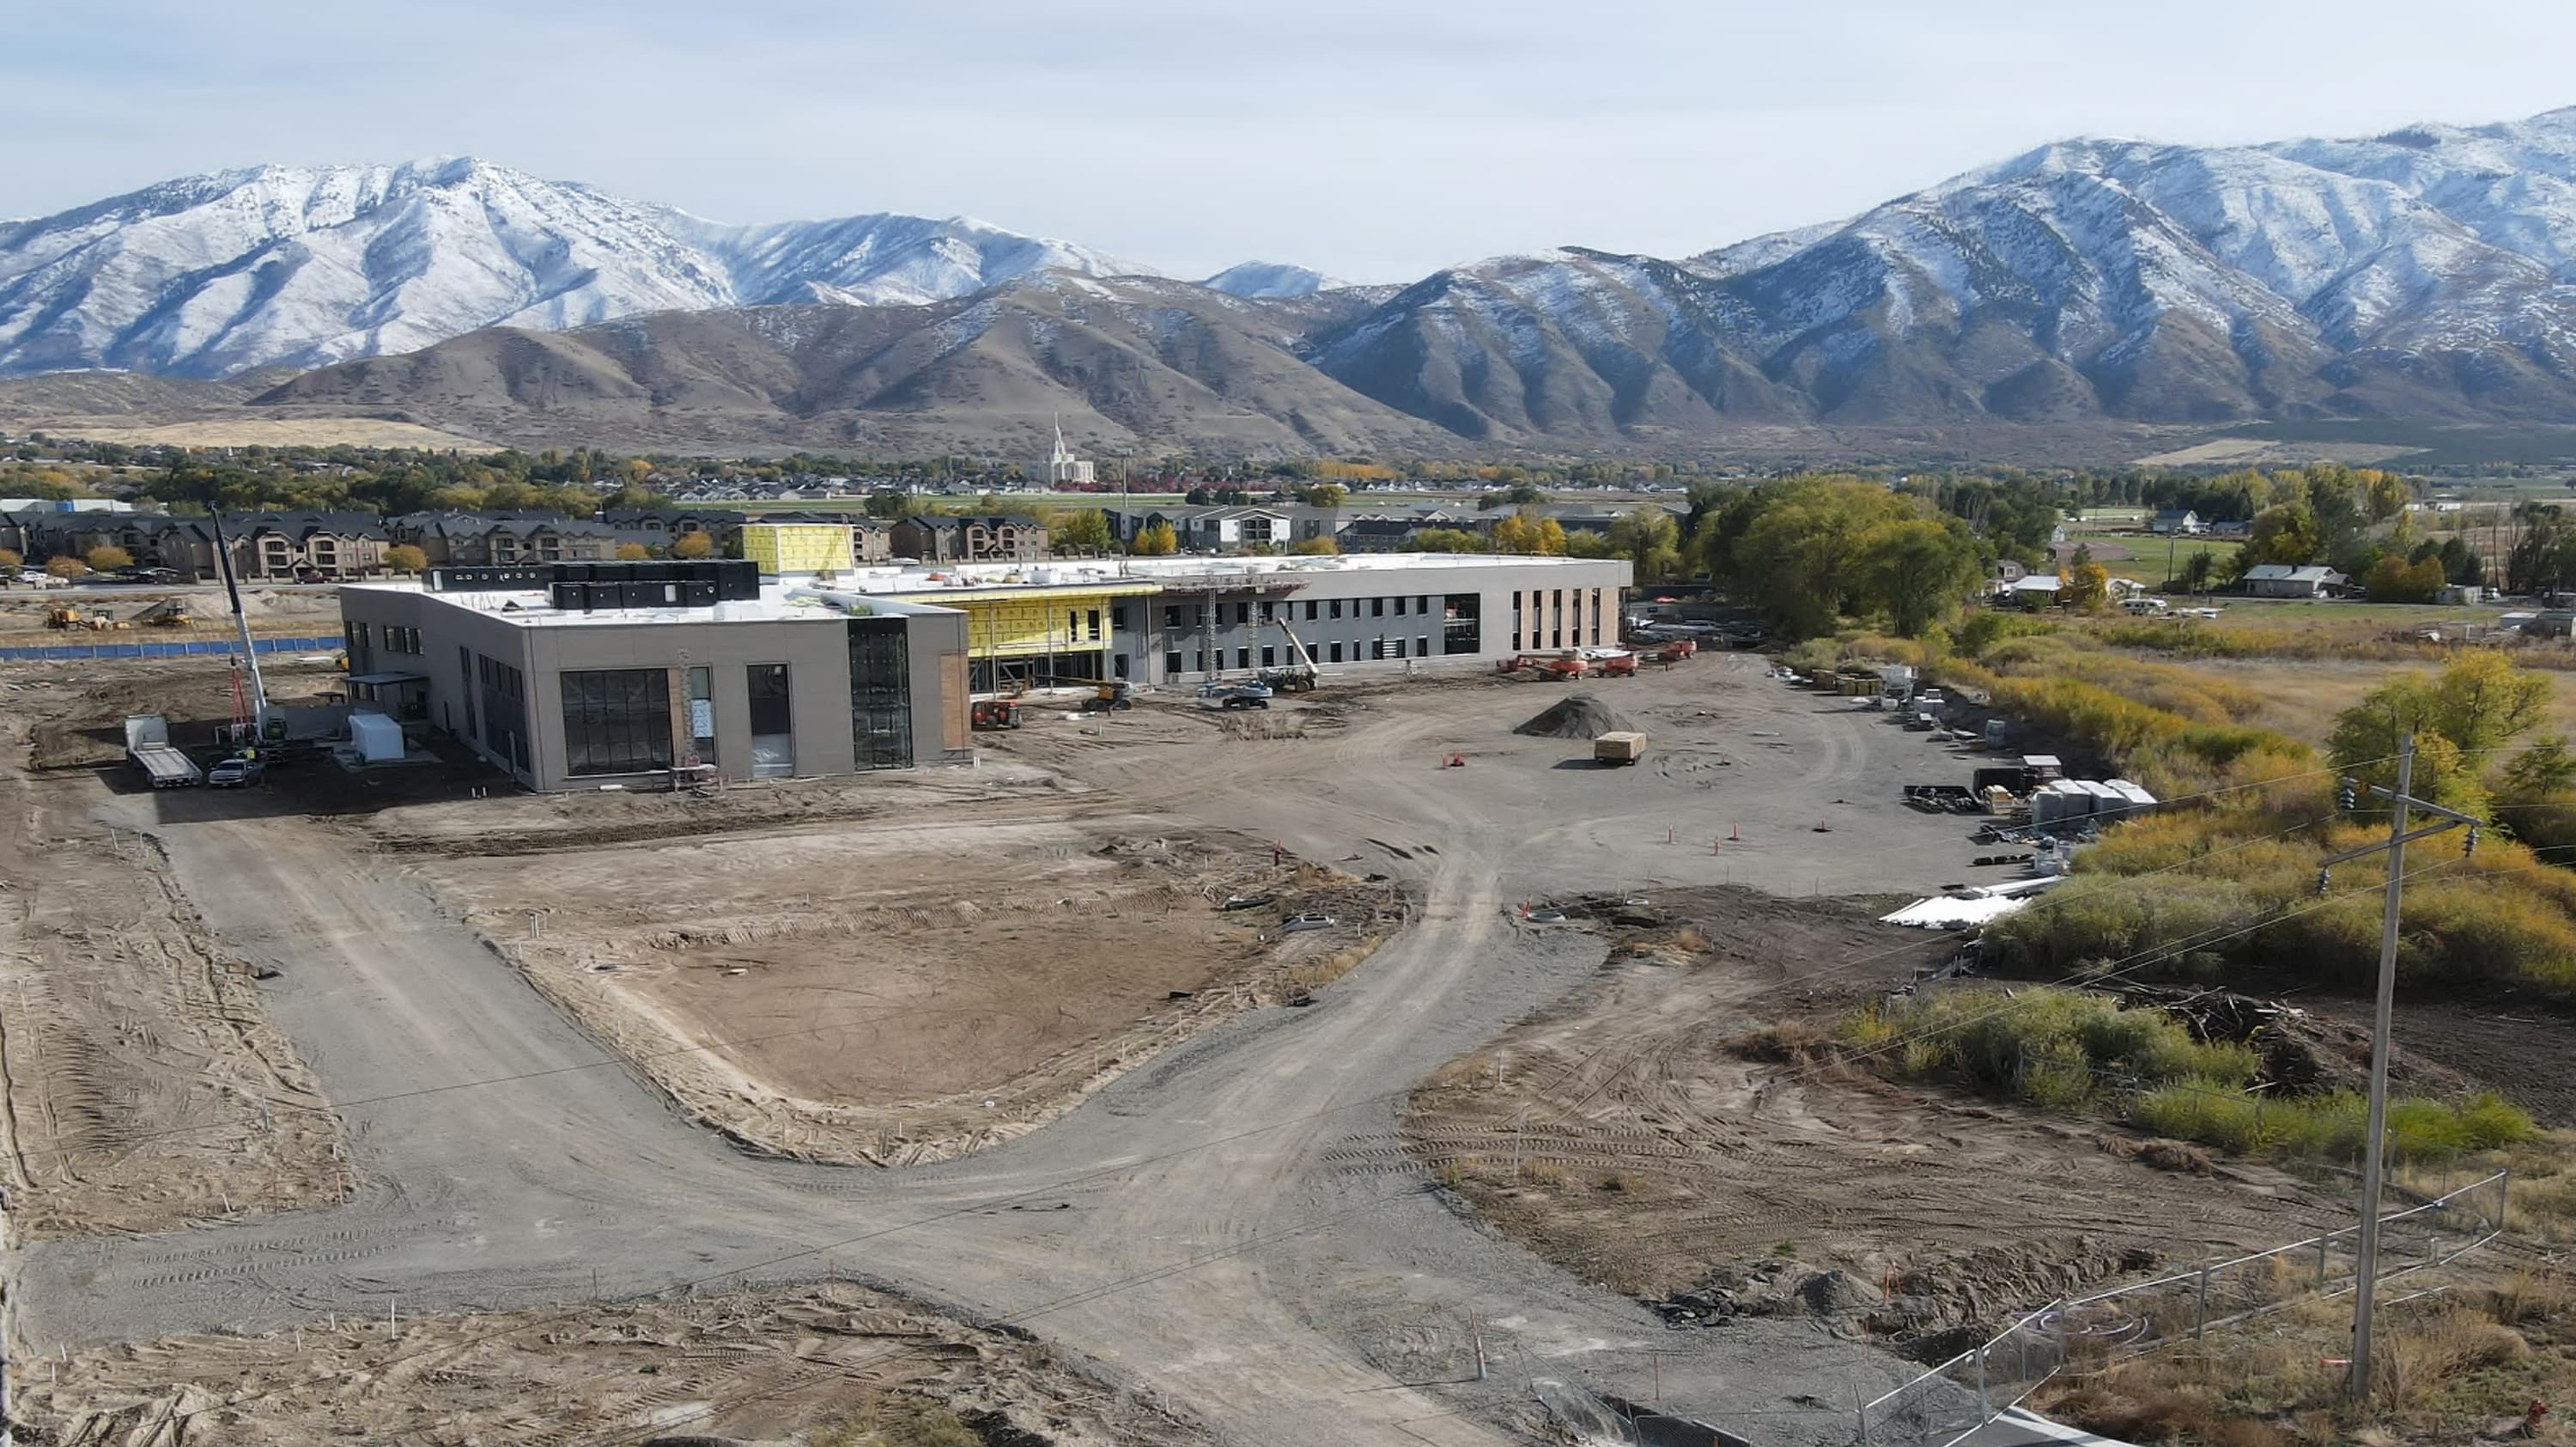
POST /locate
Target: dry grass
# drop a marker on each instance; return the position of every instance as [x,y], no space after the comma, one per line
[2447,1367]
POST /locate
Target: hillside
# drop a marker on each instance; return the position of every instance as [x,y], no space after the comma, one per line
[1134,362]
[2081,297]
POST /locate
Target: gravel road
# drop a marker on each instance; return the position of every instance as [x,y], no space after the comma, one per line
[1225,1230]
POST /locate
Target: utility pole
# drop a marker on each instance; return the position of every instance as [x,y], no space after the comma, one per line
[2366,1267]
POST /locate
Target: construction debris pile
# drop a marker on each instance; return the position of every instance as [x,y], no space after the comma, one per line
[1575,716]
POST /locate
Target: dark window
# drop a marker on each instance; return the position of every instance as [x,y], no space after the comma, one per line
[1118,617]
[1269,656]
[1399,607]
[1202,657]
[505,710]
[1399,648]
[773,728]
[1377,607]
[1310,611]
[1422,647]
[1171,615]
[1422,606]
[1267,611]
[1243,658]
[881,692]
[1171,664]
[1337,650]
[1337,607]
[465,685]
[1092,617]
[1118,665]
[1461,631]
[617,721]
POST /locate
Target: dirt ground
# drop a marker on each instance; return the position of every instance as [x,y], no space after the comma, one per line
[287,611]
[754,1367]
[1633,1139]
[849,969]
[145,1085]
[929,979]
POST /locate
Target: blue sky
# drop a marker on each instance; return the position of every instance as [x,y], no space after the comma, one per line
[1374,139]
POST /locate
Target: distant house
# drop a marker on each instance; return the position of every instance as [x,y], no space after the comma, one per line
[2280,580]
[2035,590]
[292,545]
[470,539]
[2179,521]
[983,538]
[1226,529]
[1377,535]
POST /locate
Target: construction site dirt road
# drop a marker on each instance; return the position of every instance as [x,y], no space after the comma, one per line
[1227,1230]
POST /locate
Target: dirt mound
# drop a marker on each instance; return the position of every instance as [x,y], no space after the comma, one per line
[1575,716]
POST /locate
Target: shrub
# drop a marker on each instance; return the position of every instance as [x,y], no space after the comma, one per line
[2327,1127]
[2051,1047]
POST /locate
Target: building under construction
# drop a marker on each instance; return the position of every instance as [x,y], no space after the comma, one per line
[791,662]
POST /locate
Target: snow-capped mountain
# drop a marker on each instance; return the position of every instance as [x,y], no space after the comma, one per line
[2429,272]
[1258,280]
[213,274]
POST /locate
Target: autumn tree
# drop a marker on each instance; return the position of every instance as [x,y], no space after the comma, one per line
[632,552]
[66,566]
[1650,539]
[404,558]
[108,558]
[1155,540]
[2198,569]
[2394,580]
[693,545]
[1798,557]
[1323,494]
[2461,718]
[1316,547]
[1084,531]
[1917,569]
[10,562]
[2287,534]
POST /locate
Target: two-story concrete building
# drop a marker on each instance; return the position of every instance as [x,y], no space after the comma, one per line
[636,674]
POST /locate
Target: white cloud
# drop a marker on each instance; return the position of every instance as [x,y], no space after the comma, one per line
[1368,138]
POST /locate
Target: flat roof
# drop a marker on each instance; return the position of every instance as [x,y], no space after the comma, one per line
[895,591]
[778,603]
[1078,572]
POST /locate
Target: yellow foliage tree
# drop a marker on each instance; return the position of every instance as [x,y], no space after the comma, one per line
[1316,547]
[632,552]
[2087,585]
[404,558]
[107,558]
[1157,540]
[693,545]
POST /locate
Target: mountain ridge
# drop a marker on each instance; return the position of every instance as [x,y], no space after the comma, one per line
[2426,273]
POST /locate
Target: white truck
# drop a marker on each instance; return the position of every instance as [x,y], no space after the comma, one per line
[147,743]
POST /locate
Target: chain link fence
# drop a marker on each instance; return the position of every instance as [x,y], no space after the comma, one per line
[1954,1399]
